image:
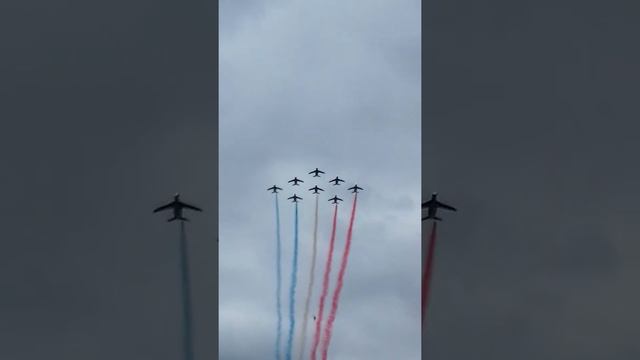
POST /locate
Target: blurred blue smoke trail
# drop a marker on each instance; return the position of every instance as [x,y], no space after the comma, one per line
[292,289]
[279,281]
[186,294]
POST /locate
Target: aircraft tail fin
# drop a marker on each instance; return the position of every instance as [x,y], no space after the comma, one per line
[432,217]
[177,218]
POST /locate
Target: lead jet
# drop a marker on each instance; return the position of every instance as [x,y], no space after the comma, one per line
[355,188]
[294,197]
[177,207]
[295,181]
[275,189]
[433,205]
[336,181]
[316,172]
[335,199]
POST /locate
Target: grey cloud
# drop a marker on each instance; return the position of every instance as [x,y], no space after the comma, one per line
[527,125]
[308,84]
[108,109]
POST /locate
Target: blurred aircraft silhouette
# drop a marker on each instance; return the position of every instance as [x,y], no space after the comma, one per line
[433,205]
[336,181]
[295,181]
[177,207]
[335,199]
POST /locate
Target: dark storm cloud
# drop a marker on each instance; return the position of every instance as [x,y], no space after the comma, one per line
[107,109]
[529,118]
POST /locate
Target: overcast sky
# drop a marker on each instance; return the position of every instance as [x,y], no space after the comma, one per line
[107,108]
[531,129]
[334,85]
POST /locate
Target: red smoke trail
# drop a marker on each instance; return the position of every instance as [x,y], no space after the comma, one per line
[426,276]
[336,295]
[325,285]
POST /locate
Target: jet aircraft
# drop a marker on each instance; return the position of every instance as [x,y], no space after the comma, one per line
[336,181]
[295,181]
[355,188]
[335,199]
[316,172]
[275,189]
[315,189]
[433,205]
[295,198]
[177,207]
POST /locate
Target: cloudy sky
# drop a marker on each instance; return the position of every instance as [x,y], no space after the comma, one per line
[334,85]
[106,112]
[530,128]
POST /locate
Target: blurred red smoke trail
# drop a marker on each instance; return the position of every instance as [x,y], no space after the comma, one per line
[426,276]
[325,285]
[336,295]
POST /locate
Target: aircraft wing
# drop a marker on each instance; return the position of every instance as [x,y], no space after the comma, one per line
[190,207]
[445,206]
[164,207]
[427,204]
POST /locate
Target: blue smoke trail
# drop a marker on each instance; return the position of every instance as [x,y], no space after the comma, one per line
[292,290]
[186,294]
[279,281]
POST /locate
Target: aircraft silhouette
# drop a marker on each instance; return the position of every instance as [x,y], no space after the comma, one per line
[335,199]
[315,189]
[355,188]
[295,181]
[177,207]
[433,205]
[336,181]
[295,198]
[316,172]
[275,189]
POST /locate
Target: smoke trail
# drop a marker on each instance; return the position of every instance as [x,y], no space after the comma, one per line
[279,281]
[292,289]
[311,281]
[336,295]
[186,299]
[426,277]
[325,285]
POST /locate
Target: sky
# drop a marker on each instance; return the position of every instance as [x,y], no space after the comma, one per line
[530,129]
[333,85]
[106,113]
